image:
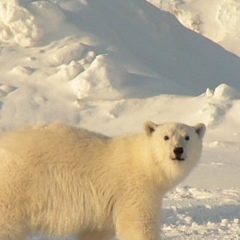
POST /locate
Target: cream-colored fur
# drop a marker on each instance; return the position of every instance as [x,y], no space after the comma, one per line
[61,181]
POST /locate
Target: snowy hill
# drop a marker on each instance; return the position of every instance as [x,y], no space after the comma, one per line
[145,47]
[109,66]
[216,19]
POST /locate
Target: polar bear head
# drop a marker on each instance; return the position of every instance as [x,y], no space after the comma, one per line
[176,147]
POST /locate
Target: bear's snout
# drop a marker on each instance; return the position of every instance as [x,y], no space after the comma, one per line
[178,151]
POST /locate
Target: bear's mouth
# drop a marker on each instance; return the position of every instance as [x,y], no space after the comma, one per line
[178,159]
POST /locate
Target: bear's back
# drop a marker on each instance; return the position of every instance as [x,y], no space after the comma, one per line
[53,139]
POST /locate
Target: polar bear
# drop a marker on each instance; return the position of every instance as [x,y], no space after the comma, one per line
[60,181]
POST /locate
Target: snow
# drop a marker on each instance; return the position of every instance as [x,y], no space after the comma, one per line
[111,65]
[216,19]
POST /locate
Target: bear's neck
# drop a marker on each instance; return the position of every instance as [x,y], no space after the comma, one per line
[134,153]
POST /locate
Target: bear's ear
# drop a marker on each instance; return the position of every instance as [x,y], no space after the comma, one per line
[200,129]
[150,127]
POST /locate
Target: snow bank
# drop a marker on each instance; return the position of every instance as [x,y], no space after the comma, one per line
[152,47]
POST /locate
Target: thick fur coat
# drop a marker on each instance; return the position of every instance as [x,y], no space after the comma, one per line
[60,181]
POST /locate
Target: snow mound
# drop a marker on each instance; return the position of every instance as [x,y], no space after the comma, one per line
[223,92]
[219,102]
[99,80]
[63,52]
[29,23]
[69,71]
[17,24]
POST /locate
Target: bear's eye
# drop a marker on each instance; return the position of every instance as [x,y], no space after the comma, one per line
[166,138]
[187,138]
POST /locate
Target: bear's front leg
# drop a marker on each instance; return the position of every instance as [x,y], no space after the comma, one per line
[138,225]
[97,235]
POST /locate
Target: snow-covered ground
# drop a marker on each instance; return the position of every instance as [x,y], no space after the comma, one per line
[110,65]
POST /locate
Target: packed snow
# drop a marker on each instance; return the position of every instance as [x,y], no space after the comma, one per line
[111,65]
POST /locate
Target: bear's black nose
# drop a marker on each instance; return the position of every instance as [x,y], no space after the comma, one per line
[178,151]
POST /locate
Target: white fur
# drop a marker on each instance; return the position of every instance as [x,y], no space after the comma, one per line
[62,181]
